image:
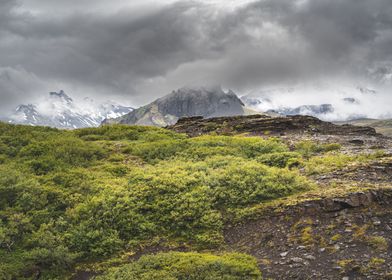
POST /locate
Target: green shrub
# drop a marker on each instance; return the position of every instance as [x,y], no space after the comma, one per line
[241,183]
[183,200]
[327,163]
[378,242]
[49,250]
[154,151]
[161,203]
[9,186]
[200,148]
[59,153]
[281,159]
[126,132]
[331,147]
[187,266]
[118,171]
[308,148]
[247,147]
[93,243]
[332,162]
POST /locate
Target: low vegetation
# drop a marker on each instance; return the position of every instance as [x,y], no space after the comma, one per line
[190,266]
[72,197]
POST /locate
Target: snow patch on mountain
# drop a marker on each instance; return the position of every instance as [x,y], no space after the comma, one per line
[61,111]
[329,102]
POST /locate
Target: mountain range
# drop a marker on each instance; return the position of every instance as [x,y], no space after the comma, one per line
[61,111]
[327,101]
[339,103]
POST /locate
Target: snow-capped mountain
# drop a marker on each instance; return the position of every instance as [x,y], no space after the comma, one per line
[327,101]
[61,111]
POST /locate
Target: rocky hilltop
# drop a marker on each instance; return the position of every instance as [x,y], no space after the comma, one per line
[185,102]
[265,125]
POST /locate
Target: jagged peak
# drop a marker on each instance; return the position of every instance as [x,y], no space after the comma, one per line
[61,95]
[59,110]
[27,107]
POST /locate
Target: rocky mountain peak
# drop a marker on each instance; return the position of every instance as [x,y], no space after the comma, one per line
[61,95]
[185,102]
[59,110]
[26,108]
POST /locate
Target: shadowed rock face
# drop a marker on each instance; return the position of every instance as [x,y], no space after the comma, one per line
[262,124]
[185,102]
[318,260]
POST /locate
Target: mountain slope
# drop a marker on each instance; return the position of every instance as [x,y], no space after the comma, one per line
[61,111]
[185,102]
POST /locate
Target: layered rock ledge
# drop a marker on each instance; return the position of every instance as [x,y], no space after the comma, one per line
[264,124]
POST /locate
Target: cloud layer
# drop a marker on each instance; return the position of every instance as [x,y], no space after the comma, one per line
[141,50]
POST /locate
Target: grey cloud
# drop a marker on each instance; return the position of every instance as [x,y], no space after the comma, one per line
[143,52]
[14,84]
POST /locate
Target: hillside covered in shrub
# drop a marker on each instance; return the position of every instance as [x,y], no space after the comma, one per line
[91,198]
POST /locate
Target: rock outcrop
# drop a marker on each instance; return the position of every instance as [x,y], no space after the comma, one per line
[330,238]
[263,124]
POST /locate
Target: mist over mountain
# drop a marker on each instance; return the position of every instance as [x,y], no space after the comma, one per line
[331,101]
[327,101]
[61,111]
[185,102]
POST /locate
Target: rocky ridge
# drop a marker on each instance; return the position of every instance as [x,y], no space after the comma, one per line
[266,125]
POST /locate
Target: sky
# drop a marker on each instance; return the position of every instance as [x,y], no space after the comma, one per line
[137,50]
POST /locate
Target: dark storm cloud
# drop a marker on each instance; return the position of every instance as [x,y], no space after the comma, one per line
[105,50]
[145,51]
[324,37]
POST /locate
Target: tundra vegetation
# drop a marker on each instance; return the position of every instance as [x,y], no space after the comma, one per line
[91,198]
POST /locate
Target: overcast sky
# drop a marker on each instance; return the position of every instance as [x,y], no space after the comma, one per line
[136,50]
